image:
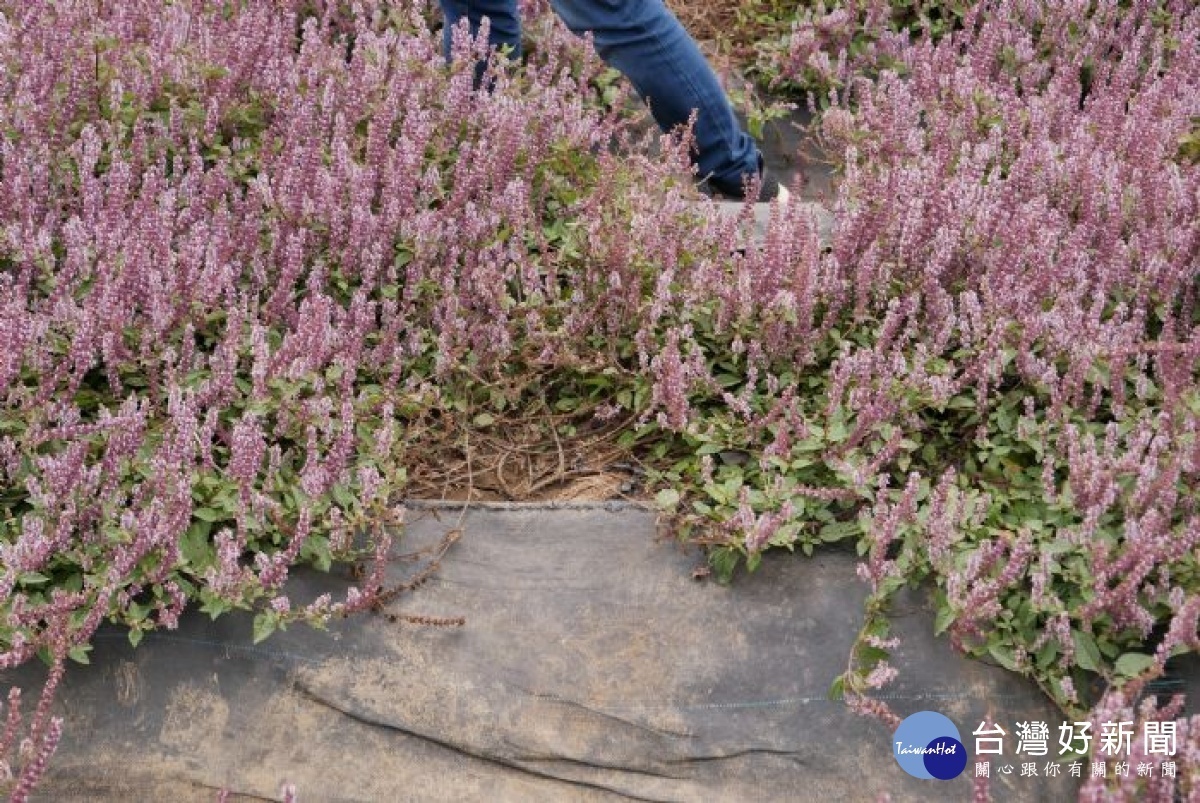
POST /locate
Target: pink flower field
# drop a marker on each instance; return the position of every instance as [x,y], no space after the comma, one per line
[268,268]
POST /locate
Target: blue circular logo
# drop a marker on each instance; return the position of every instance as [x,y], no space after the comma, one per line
[928,745]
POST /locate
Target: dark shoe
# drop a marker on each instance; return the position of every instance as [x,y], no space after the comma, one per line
[769,188]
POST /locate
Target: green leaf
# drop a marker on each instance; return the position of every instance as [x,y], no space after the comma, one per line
[484,420]
[195,546]
[944,617]
[264,625]
[213,605]
[723,561]
[1003,654]
[343,496]
[208,514]
[1132,664]
[135,636]
[316,551]
[868,656]
[753,560]
[667,499]
[1087,654]
[79,653]
[726,380]
[839,530]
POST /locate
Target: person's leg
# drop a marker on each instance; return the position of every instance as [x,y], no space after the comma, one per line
[643,40]
[504,22]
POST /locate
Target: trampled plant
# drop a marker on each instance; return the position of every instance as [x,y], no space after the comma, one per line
[255,263]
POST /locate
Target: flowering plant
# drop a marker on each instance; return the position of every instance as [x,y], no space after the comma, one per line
[1021,211]
[263,269]
[230,242]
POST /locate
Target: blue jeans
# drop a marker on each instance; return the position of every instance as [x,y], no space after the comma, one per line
[643,40]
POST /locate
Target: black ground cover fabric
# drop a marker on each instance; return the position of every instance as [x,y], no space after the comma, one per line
[592,666]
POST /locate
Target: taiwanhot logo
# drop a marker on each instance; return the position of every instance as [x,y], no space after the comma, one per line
[928,745]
